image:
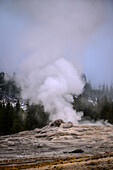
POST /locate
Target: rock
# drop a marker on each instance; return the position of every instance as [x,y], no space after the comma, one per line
[40,145]
[67,125]
[76,151]
[10,143]
[56,123]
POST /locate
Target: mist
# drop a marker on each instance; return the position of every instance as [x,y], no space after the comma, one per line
[51,43]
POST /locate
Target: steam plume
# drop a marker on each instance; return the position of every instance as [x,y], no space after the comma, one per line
[53,86]
[45,42]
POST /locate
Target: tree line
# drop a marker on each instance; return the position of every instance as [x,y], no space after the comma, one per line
[95,103]
[101,109]
[14,119]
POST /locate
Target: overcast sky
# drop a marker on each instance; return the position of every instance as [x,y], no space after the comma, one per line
[81,31]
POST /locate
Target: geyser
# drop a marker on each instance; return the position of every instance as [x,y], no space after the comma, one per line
[52,85]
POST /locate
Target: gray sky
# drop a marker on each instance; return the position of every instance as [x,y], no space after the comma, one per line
[80,31]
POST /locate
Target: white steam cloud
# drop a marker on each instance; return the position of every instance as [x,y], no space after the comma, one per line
[53,85]
[45,41]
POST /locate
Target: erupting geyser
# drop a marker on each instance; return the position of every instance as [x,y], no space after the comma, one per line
[53,85]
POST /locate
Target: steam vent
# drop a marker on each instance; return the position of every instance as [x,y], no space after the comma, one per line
[59,145]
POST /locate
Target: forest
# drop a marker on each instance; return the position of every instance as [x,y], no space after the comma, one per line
[95,103]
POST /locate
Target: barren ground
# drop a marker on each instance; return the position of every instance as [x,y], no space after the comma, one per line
[65,147]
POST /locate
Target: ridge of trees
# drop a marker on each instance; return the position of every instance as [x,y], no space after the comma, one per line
[95,103]
[9,86]
[13,118]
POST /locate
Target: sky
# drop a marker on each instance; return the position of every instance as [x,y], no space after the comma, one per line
[80,31]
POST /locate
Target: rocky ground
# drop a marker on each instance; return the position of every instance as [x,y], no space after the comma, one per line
[59,145]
